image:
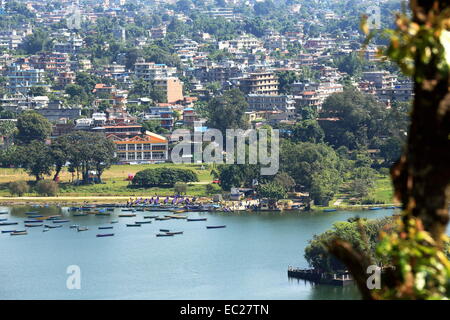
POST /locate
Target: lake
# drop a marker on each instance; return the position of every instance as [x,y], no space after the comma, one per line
[246,260]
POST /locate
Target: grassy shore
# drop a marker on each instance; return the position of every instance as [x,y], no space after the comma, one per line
[114,182]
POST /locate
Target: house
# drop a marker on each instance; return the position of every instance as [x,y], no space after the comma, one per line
[142,148]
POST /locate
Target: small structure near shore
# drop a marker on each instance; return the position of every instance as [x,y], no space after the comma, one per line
[336,279]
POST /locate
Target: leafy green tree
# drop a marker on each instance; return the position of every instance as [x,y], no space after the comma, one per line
[37,91]
[163,177]
[47,188]
[18,188]
[36,159]
[232,104]
[272,191]
[32,126]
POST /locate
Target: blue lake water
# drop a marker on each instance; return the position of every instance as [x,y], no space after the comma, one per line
[246,260]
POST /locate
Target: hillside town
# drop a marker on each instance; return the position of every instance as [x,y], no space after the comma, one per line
[135,71]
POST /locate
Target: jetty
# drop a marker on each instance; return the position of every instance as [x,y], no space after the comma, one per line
[337,279]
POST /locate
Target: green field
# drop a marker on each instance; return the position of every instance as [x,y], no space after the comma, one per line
[114,182]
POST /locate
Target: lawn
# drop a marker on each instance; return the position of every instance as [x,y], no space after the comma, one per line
[115,181]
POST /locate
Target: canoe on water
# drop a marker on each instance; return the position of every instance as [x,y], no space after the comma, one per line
[164,235]
[162,219]
[133,225]
[8,223]
[109,227]
[3,212]
[197,219]
[79,214]
[82,229]
[60,221]
[174,233]
[18,233]
[52,227]
[143,222]
[127,215]
[33,225]
[150,217]
[164,230]
[105,235]
[215,227]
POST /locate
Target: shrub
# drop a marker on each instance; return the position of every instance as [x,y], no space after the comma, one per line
[180,188]
[18,188]
[213,188]
[163,177]
[47,188]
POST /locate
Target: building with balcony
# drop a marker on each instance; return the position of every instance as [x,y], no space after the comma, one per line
[265,83]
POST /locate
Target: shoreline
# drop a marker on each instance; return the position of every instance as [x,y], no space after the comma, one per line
[86,200]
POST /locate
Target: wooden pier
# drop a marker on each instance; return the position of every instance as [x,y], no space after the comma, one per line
[337,279]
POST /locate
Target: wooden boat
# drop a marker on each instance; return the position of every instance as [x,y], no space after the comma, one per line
[127,215]
[164,235]
[114,221]
[197,219]
[143,222]
[162,218]
[32,221]
[45,230]
[174,233]
[74,226]
[105,235]
[18,233]
[133,225]
[108,227]
[82,229]
[35,216]
[329,210]
[60,221]
[164,230]
[8,223]
[103,214]
[150,217]
[52,226]
[3,212]
[375,208]
[215,227]
[3,219]
[8,231]
[176,217]
[79,214]
[56,217]
[33,225]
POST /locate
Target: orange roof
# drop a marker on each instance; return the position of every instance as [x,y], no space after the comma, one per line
[146,138]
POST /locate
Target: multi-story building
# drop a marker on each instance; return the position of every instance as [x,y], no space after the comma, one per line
[158,33]
[22,77]
[380,79]
[52,62]
[150,71]
[171,88]
[265,83]
[261,102]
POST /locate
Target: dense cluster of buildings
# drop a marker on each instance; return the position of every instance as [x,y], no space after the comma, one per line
[251,64]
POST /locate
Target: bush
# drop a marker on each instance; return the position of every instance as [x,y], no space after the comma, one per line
[213,188]
[47,188]
[163,177]
[180,188]
[18,188]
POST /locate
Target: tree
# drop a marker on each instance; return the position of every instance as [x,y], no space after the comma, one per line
[7,130]
[163,177]
[272,191]
[32,126]
[232,104]
[47,188]
[18,188]
[36,159]
[421,177]
[284,180]
[180,188]
[285,79]
[357,119]
[37,91]
[36,42]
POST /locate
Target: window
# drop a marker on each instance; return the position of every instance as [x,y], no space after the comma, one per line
[147,146]
[121,156]
[139,156]
[147,155]
[131,147]
[121,147]
[131,156]
[139,147]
